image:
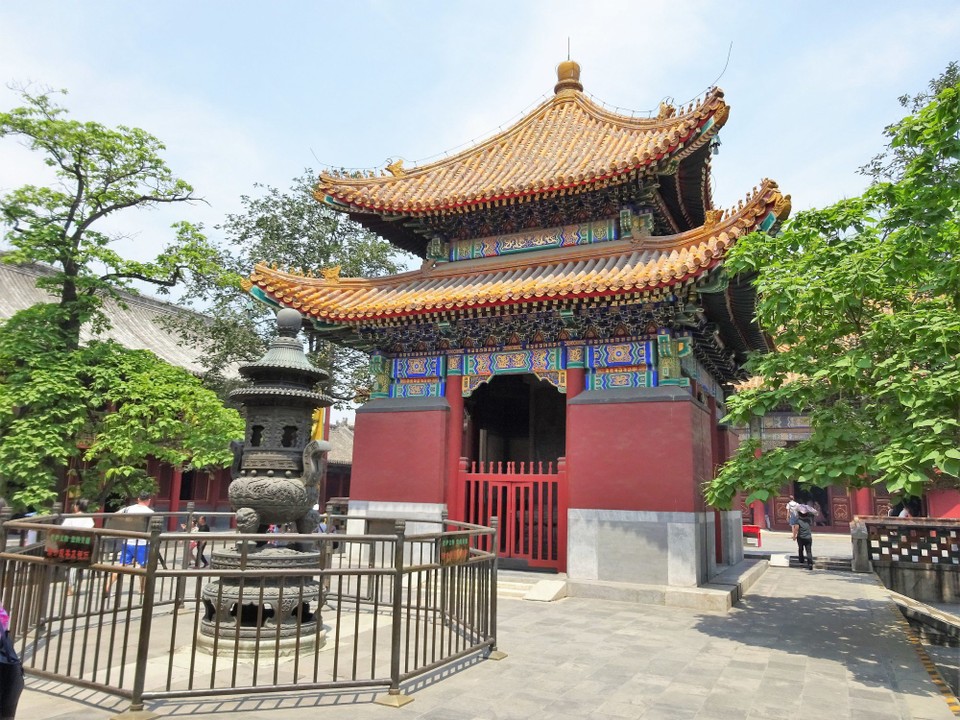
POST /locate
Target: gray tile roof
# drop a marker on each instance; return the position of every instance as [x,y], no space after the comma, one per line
[138,326]
[341,437]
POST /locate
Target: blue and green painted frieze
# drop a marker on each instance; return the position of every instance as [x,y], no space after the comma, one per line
[546,363]
[526,241]
[621,365]
[403,377]
[666,360]
[638,364]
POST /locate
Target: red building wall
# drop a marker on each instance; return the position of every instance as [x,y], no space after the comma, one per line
[400,451]
[639,455]
[943,503]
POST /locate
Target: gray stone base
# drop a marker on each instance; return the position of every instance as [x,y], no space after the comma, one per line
[267,648]
[641,547]
[377,517]
[718,596]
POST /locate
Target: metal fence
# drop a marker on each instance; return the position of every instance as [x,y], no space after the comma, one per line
[383,603]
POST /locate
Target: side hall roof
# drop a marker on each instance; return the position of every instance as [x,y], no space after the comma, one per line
[566,145]
[649,265]
[137,322]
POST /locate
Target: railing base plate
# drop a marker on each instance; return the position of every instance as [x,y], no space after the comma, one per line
[135,715]
[496,655]
[396,701]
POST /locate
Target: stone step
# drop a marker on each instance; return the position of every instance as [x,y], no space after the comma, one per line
[824,563]
[533,586]
[513,588]
[837,564]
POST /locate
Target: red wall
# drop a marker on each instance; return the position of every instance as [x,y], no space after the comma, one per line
[399,456]
[943,503]
[639,455]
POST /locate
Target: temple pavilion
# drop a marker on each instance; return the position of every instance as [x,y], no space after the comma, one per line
[560,360]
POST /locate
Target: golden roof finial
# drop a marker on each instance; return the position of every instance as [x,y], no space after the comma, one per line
[568,76]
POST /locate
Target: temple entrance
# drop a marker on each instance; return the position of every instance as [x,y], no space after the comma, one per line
[515,440]
[832,505]
[515,418]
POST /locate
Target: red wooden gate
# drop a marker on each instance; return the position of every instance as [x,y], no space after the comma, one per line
[530,501]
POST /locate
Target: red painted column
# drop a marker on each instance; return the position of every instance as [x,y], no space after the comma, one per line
[454,394]
[759,514]
[176,481]
[576,384]
[715,460]
[861,501]
[575,381]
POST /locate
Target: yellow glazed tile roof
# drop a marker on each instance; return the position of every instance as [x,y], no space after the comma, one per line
[605,269]
[568,144]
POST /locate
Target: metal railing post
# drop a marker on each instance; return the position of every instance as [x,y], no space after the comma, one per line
[395,698]
[146,618]
[494,654]
[185,557]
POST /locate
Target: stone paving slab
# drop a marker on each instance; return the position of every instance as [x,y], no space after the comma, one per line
[800,644]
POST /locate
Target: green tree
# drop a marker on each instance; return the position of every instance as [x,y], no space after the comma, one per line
[101,411]
[290,229]
[863,298]
[100,172]
[53,392]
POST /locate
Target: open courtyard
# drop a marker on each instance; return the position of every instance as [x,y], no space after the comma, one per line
[821,644]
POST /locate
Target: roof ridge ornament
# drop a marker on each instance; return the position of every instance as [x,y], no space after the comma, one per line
[666,111]
[568,77]
[331,274]
[396,168]
[712,218]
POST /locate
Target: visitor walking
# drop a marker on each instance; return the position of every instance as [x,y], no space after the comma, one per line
[78,508]
[134,551]
[805,521]
[202,526]
[792,517]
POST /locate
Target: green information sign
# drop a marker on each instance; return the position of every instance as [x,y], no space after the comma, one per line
[70,545]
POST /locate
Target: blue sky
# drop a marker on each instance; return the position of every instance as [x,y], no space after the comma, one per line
[247,92]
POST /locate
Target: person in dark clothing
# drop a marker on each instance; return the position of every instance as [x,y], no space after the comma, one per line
[202,526]
[11,670]
[805,522]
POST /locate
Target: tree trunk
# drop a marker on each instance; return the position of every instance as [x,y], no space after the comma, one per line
[70,322]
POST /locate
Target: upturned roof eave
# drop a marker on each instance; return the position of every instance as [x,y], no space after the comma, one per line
[766,197]
[335,191]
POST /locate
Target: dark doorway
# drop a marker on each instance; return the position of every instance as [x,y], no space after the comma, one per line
[816,497]
[516,418]
[186,486]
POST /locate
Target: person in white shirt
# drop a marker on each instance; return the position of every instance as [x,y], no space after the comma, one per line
[134,551]
[792,511]
[79,507]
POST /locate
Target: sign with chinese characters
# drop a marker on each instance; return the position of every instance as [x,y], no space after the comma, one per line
[454,550]
[70,545]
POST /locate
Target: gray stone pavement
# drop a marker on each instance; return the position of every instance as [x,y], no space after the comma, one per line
[810,644]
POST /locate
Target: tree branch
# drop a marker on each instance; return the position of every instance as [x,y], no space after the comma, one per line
[139,200]
[175,276]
